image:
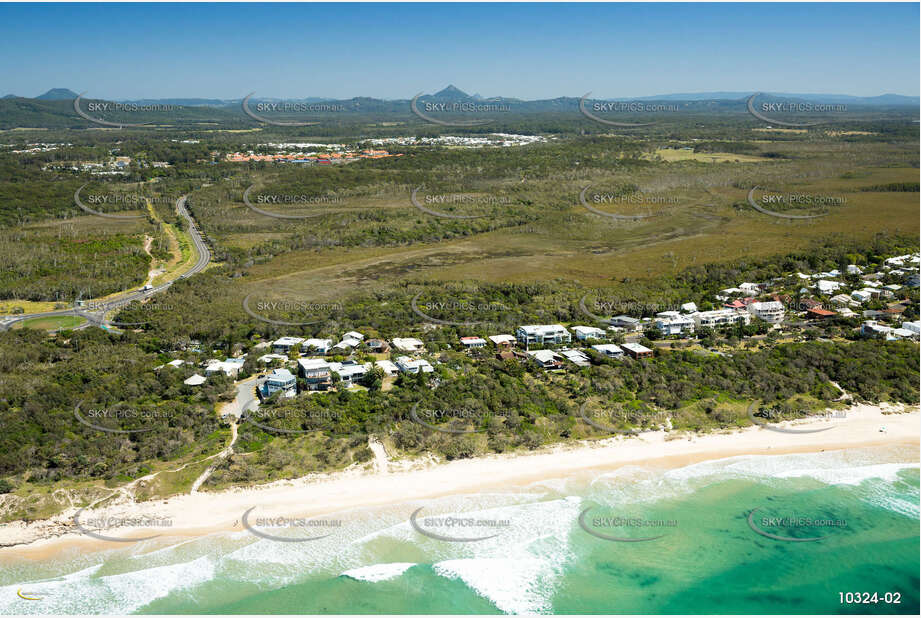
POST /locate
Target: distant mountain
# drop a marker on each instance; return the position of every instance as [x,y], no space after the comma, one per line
[58,94]
[883,99]
[11,96]
[451,92]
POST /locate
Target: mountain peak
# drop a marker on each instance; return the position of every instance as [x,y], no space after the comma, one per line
[452,91]
[58,94]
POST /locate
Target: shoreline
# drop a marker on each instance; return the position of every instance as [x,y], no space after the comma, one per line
[202,514]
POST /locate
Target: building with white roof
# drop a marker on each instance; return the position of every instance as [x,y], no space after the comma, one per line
[720,317]
[827,287]
[609,349]
[626,322]
[637,350]
[770,311]
[473,342]
[689,307]
[584,333]
[390,369]
[502,340]
[576,357]
[542,334]
[547,359]
[413,365]
[408,344]
[280,380]
[230,367]
[675,324]
[321,346]
[195,380]
[284,345]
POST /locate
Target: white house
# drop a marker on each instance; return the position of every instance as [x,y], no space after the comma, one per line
[771,311]
[280,380]
[720,317]
[840,300]
[750,288]
[195,380]
[230,367]
[914,327]
[268,358]
[413,365]
[861,296]
[502,340]
[347,344]
[689,307]
[408,344]
[350,371]
[547,359]
[609,349]
[353,334]
[629,324]
[827,287]
[321,346]
[576,357]
[542,333]
[675,325]
[854,269]
[473,342]
[389,368]
[284,344]
[588,332]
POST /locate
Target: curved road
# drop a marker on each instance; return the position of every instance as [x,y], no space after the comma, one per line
[98,309]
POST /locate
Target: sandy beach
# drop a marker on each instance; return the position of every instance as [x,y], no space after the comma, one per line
[199,514]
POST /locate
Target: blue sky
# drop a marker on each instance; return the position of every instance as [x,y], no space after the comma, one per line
[396,50]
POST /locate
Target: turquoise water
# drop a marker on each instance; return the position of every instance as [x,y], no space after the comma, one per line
[707,558]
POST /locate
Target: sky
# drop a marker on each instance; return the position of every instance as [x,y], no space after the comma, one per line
[394,51]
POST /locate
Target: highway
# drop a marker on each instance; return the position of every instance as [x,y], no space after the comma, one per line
[95,311]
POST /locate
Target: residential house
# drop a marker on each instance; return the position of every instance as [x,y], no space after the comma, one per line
[284,345]
[473,342]
[629,324]
[229,367]
[609,349]
[689,307]
[820,314]
[377,346]
[828,287]
[413,365]
[501,341]
[770,311]
[720,317]
[576,357]
[390,369]
[546,359]
[279,380]
[320,346]
[408,344]
[840,300]
[195,380]
[636,350]
[542,334]
[584,333]
[861,296]
[674,324]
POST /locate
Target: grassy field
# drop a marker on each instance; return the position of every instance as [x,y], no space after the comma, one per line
[57,322]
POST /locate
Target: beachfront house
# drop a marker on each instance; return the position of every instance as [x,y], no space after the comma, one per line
[584,333]
[542,334]
[609,349]
[546,359]
[636,350]
[771,311]
[279,380]
[408,344]
[413,365]
[284,345]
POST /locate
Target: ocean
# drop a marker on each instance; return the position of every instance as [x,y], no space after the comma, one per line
[787,534]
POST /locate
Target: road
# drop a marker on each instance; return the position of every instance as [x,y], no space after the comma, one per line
[97,310]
